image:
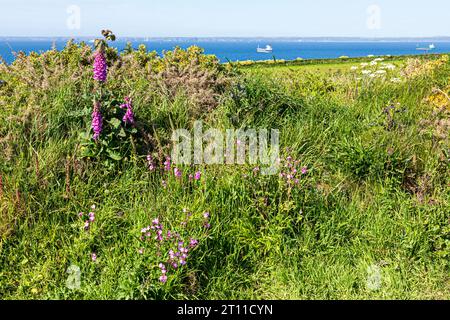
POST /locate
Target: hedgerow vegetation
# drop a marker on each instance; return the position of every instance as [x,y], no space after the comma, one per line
[364,183]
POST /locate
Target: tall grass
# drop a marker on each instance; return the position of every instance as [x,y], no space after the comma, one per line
[376,192]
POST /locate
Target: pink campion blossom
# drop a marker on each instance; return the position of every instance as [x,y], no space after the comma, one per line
[100,66]
[150,163]
[193,243]
[167,164]
[198,175]
[178,173]
[91,216]
[163,279]
[94,257]
[128,118]
[86,225]
[97,121]
[304,170]
[206,215]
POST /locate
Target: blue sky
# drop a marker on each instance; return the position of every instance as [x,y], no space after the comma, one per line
[246,18]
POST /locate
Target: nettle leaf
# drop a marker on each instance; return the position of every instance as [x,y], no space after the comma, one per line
[114,155]
[86,136]
[115,123]
[122,133]
[88,153]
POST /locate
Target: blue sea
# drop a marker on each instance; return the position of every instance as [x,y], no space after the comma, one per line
[245,49]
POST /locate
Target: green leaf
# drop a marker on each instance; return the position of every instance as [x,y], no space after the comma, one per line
[114,155]
[122,133]
[115,123]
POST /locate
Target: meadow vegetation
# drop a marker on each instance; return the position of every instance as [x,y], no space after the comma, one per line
[365,182]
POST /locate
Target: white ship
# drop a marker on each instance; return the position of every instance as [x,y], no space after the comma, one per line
[267,49]
[429,48]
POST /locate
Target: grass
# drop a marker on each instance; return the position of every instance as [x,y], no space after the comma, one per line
[376,194]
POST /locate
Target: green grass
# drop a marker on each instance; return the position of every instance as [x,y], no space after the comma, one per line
[377,193]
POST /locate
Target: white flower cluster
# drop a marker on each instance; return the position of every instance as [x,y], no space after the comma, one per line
[377,68]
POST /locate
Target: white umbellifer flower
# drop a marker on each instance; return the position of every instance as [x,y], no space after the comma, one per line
[390,67]
[372,75]
[380,72]
[354,68]
[373,63]
[379,59]
[366,72]
[396,80]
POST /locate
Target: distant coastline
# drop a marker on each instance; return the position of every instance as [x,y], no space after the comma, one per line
[241,39]
[243,49]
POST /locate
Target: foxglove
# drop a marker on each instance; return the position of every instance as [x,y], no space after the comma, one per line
[97,121]
[100,66]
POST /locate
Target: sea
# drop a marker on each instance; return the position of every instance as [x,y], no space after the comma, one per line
[245,49]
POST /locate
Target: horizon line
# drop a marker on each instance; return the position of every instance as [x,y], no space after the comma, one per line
[235,37]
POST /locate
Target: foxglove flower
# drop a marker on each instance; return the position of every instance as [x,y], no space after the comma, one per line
[128,118]
[97,121]
[100,66]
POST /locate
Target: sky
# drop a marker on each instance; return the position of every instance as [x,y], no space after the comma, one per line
[226,18]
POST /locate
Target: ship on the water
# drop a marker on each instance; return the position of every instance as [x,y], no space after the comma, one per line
[429,48]
[267,49]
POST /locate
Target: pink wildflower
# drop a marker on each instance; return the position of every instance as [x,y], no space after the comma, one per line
[97,121]
[100,66]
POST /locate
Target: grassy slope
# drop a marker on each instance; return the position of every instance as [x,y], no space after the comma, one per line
[352,211]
